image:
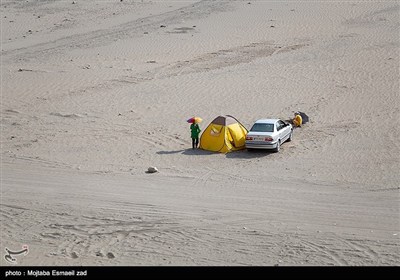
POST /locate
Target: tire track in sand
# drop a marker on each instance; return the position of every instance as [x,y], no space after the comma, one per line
[324,252]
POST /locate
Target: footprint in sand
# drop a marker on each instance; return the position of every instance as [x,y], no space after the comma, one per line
[110,255]
[99,254]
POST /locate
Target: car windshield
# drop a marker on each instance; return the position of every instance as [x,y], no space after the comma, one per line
[262,127]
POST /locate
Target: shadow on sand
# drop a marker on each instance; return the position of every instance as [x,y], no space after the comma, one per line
[249,154]
[237,154]
[189,151]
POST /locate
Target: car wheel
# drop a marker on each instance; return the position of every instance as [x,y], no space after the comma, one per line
[290,136]
[278,146]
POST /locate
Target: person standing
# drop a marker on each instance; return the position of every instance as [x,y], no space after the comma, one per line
[195,132]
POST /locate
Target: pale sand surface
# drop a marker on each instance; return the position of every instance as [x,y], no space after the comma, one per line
[94,93]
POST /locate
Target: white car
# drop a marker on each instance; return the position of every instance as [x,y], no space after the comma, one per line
[269,134]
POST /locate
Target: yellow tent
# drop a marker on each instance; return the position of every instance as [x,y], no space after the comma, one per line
[224,134]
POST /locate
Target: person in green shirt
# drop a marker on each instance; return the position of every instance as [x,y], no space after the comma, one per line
[195,131]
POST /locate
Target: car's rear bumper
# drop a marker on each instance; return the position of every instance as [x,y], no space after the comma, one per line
[261,145]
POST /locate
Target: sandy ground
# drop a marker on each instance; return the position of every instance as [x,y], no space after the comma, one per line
[95,92]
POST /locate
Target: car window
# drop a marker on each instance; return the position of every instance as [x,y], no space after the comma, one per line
[280,125]
[262,127]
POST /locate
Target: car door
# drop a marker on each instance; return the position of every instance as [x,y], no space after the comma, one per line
[283,130]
